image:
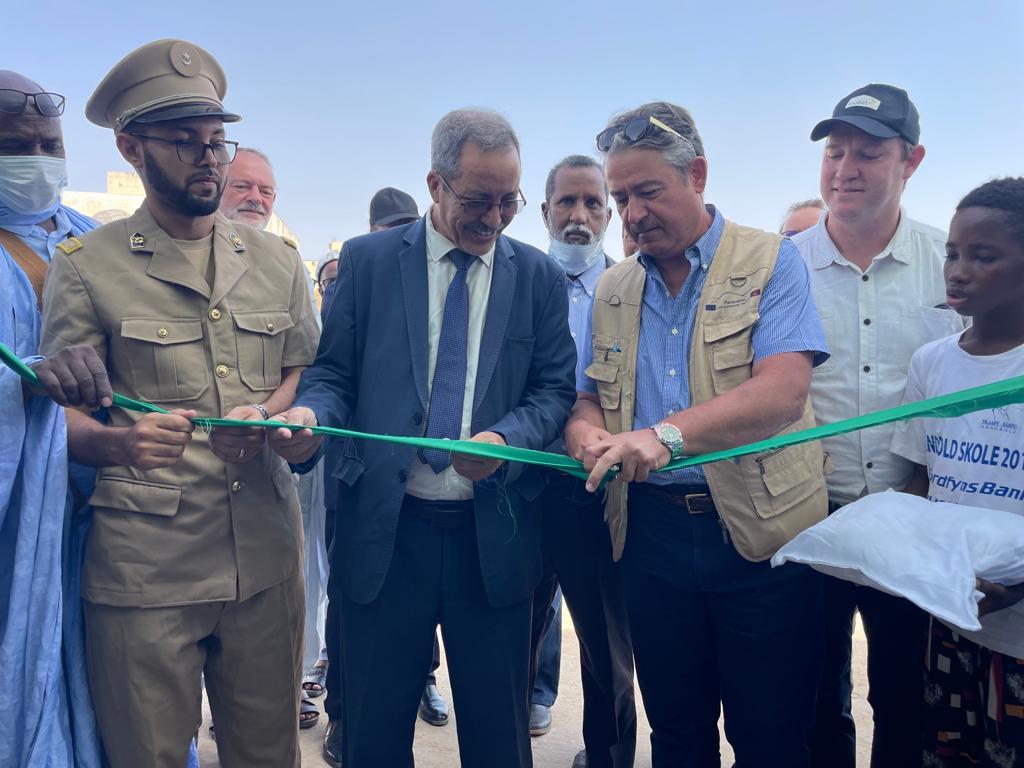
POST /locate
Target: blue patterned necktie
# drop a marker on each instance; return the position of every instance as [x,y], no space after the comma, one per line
[448,389]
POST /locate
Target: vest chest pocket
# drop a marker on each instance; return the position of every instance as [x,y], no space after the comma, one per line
[730,350]
[609,386]
[167,358]
[260,340]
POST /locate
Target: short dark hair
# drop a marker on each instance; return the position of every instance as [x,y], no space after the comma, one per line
[1006,195]
[572,161]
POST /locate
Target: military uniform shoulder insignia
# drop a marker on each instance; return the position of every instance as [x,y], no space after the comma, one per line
[289,242]
[70,245]
[136,241]
[236,241]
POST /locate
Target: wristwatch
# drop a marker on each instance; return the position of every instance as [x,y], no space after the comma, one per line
[669,436]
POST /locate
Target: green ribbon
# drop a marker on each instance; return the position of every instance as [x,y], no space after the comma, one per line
[996,395]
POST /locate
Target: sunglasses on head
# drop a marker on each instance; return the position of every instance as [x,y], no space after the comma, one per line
[634,130]
[14,102]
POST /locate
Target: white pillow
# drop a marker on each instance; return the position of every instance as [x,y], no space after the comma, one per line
[928,552]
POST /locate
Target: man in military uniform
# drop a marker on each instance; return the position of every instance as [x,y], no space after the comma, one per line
[192,567]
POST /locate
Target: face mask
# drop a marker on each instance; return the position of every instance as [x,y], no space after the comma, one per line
[326,298]
[575,259]
[31,186]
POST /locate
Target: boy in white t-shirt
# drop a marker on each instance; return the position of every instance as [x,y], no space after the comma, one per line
[974,687]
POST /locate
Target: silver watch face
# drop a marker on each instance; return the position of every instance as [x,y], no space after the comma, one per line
[669,433]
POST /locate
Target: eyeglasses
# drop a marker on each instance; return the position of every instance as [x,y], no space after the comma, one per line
[790,232]
[633,131]
[326,283]
[192,152]
[477,207]
[13,102]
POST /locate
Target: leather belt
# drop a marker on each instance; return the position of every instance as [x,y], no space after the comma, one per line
[440,513]
[695,499]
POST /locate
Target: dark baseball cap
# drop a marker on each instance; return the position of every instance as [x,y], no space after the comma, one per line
[390,206]
[883,111]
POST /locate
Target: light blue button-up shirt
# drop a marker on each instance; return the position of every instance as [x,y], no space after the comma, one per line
[789,322]
[581,301]
[39,240]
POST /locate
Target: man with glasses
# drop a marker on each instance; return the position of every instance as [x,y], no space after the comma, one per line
[703,341]
[192,564]
[443,328]
[801,215]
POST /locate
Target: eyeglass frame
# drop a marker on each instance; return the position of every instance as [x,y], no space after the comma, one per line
[58,105]
[611,132]
[179,143]
[465,202]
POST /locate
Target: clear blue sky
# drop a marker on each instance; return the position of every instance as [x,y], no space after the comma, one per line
[343,96]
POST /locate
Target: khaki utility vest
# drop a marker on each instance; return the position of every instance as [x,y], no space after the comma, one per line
[764,499]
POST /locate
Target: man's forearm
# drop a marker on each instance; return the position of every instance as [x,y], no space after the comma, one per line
[282,398]
[93,443]
[756,409]
[586,411]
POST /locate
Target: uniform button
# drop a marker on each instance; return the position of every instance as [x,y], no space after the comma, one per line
[672,372]
[223,371]
[867,369]
[865,278]
[237,486]
[867,321]
[417,418]
[214,314]
[162,333]
[270,326]
[869,465]
[403,475]
[675,331]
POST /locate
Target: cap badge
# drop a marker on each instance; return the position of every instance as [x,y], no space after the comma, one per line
[186,58]
[868,102]
[136,241]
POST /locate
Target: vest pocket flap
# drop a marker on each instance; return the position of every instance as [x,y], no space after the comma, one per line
[601,371]
[732,355]
[728,327]
[131,495]
[782,471]
[268,323]
[156,331]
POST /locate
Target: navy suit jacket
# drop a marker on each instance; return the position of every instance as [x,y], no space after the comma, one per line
[371,373]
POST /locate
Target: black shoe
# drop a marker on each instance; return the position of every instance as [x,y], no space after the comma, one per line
[540,719]
[332,744]
[580,761]
[433,710]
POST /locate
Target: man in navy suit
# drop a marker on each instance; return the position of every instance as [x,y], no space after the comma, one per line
[443,328]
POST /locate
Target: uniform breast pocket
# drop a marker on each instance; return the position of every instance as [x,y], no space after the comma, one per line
[260,341]
[732,352]
[605,370]
[167,358]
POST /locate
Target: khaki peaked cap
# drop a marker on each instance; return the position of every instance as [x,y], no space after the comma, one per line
[162,80]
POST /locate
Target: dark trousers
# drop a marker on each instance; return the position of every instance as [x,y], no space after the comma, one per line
[578,556]
[712,630]
[896,631]
[434,579]
[333,705]
[546,629]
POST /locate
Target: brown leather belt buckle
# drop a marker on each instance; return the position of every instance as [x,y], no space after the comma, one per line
[697,503]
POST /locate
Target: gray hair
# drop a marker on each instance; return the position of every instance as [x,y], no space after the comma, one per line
[488,130]
[675,151]
[814,202]
[572,161]
[258,154]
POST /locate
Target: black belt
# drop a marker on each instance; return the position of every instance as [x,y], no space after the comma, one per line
[440,513]
[695,499]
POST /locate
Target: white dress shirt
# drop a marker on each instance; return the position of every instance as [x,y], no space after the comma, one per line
[450,485]
[874,321]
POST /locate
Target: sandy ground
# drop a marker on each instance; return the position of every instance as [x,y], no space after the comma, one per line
[437,747]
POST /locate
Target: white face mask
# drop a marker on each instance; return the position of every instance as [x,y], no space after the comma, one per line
[575,259]
[32,185]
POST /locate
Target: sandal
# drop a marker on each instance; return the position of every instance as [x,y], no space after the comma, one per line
[313,682]
[309,715]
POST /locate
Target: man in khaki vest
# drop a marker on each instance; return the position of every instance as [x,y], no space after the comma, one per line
[704,340]
[192,567]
